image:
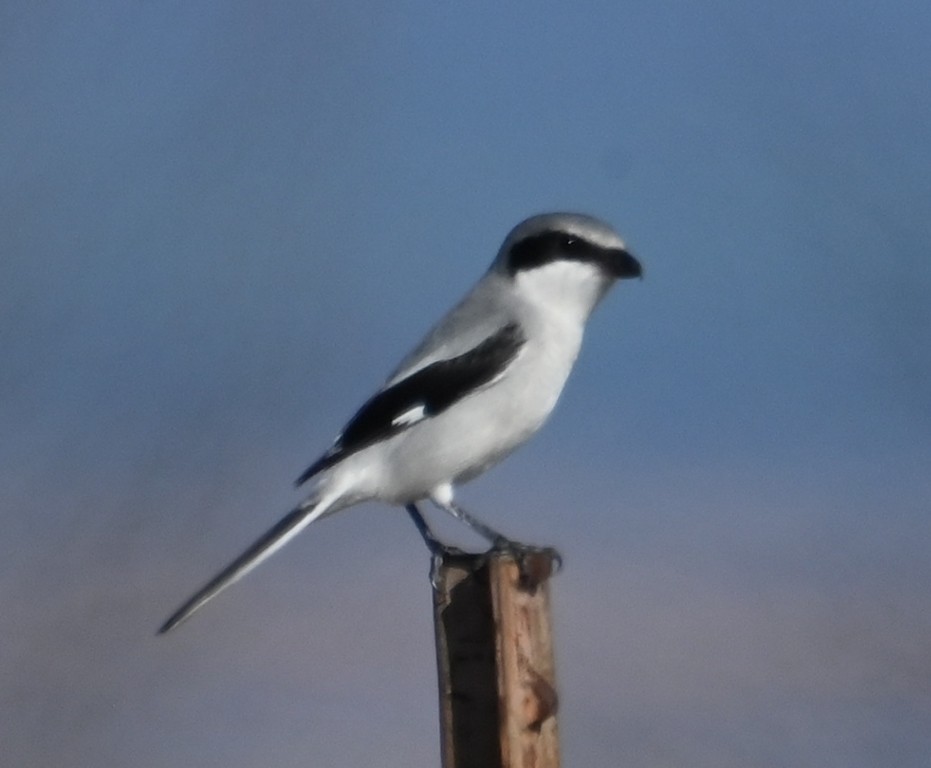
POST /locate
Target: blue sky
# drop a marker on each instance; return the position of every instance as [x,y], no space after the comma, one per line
[222,225]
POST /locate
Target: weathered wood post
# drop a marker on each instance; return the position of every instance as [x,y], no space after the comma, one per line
[494,649]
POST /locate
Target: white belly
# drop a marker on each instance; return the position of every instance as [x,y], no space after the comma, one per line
[470,436]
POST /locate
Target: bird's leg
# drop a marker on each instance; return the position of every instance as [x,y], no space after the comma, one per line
[499,542]
[429,538]
[438,550]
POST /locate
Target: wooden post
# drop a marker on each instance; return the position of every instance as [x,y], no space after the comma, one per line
[495,657]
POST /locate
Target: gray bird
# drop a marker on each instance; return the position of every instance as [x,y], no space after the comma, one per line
[478,386]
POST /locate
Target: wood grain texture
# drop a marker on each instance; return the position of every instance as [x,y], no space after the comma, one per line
[494,644]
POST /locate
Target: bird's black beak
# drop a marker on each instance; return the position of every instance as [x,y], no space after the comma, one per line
[622,264]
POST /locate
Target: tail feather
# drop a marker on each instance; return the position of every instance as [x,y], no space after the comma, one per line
[270,542]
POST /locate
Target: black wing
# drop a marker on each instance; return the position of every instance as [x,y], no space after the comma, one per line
[426,392]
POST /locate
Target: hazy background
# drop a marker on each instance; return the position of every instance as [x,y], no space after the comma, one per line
[223,224]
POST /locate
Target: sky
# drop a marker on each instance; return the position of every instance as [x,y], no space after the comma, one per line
[222,225]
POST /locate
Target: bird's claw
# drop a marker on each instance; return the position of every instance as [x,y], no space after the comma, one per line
[438,556]
[535,564]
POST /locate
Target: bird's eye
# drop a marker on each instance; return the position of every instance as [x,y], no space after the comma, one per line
[571,243]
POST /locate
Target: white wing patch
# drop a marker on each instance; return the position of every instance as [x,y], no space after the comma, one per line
[410,416]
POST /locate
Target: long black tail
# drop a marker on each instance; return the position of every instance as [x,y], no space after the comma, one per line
[279,535]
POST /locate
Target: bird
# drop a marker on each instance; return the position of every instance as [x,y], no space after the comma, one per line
[480,384]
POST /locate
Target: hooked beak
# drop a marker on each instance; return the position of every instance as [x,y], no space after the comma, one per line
[622,264]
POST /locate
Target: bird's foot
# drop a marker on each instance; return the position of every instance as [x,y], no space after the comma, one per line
[439,554]
[535,564]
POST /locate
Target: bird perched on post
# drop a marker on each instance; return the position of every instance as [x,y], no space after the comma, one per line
[479,385]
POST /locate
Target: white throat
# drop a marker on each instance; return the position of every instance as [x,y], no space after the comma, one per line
[570,288]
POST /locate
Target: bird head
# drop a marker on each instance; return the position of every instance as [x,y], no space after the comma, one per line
[567,260]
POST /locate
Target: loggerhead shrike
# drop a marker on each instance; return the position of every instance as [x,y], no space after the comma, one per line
[478,386]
